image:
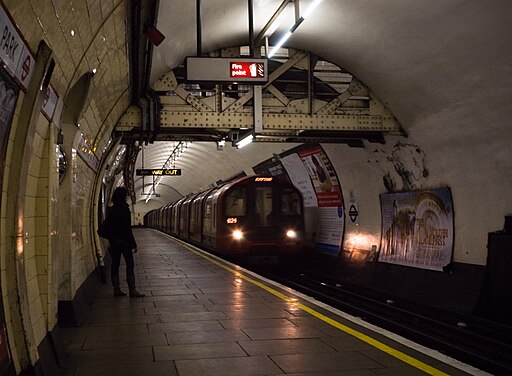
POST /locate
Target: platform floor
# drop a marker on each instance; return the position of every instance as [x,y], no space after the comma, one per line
[200,317]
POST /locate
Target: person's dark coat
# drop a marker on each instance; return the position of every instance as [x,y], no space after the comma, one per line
[120,226]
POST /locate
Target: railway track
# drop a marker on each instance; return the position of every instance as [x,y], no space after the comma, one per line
[484,344]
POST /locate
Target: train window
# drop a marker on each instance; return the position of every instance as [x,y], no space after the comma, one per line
[183,218]
[235,203]
[214,225]
[290,202]
[192,219]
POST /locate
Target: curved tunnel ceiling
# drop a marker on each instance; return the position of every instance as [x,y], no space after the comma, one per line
[408,52]
[201,165]
[424,60]
[418,57]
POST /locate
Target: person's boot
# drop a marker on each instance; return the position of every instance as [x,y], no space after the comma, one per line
[136,294]
[118,292]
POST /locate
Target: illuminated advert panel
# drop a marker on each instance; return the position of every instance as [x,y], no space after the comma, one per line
[221,69]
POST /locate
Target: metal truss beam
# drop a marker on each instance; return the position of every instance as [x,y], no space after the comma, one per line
[271,122]
[345,108]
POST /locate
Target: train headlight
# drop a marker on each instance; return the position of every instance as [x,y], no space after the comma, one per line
[291,234]
[238,235]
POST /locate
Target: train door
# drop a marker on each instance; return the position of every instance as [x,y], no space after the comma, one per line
[174,219]
[209,235]
[163,215]
[263,206]
[186,217]
[183,232]
[168,216]
[196,217]
[193,219]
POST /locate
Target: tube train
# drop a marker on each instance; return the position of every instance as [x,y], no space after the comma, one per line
[256,219]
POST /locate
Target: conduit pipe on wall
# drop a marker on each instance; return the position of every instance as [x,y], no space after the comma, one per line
[198,28]
[142,16]
[251,27]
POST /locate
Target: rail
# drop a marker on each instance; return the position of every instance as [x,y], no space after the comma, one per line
[484,344]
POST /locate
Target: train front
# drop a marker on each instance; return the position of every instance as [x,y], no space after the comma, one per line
[262,220]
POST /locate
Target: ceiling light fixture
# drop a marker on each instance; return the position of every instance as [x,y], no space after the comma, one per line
[245,141]
[220,145]
[311,9]
[294,27]
[279,44]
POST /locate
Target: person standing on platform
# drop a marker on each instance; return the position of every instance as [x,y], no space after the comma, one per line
[121,242]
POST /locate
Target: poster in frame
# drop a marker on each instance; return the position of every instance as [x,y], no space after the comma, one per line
[417,228]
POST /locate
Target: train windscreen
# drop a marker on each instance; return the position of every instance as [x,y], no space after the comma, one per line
[236,202]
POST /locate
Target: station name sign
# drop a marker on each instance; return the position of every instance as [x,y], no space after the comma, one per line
[221,69]
[14,52]
[158,172]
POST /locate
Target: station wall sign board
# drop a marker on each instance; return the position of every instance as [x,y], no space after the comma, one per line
[50,100]
[158,172]
[222,69]
[14,52]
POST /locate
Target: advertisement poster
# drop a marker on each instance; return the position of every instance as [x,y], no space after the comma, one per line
[299,177]
[8,98]
[417,228]
[313,174]
[330,202]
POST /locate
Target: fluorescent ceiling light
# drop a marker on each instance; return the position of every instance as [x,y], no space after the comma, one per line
[288,34]
[311,9]
[280,43]
[244,141]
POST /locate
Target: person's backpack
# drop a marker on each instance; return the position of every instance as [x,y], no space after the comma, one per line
[104,230]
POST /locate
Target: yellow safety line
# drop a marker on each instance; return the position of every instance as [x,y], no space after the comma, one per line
[363,337]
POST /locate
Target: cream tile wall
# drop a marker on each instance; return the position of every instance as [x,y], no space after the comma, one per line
[36,231]
[99,42]
[82,258]
[6,255]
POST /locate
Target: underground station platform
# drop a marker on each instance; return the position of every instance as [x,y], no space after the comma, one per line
[204,316]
